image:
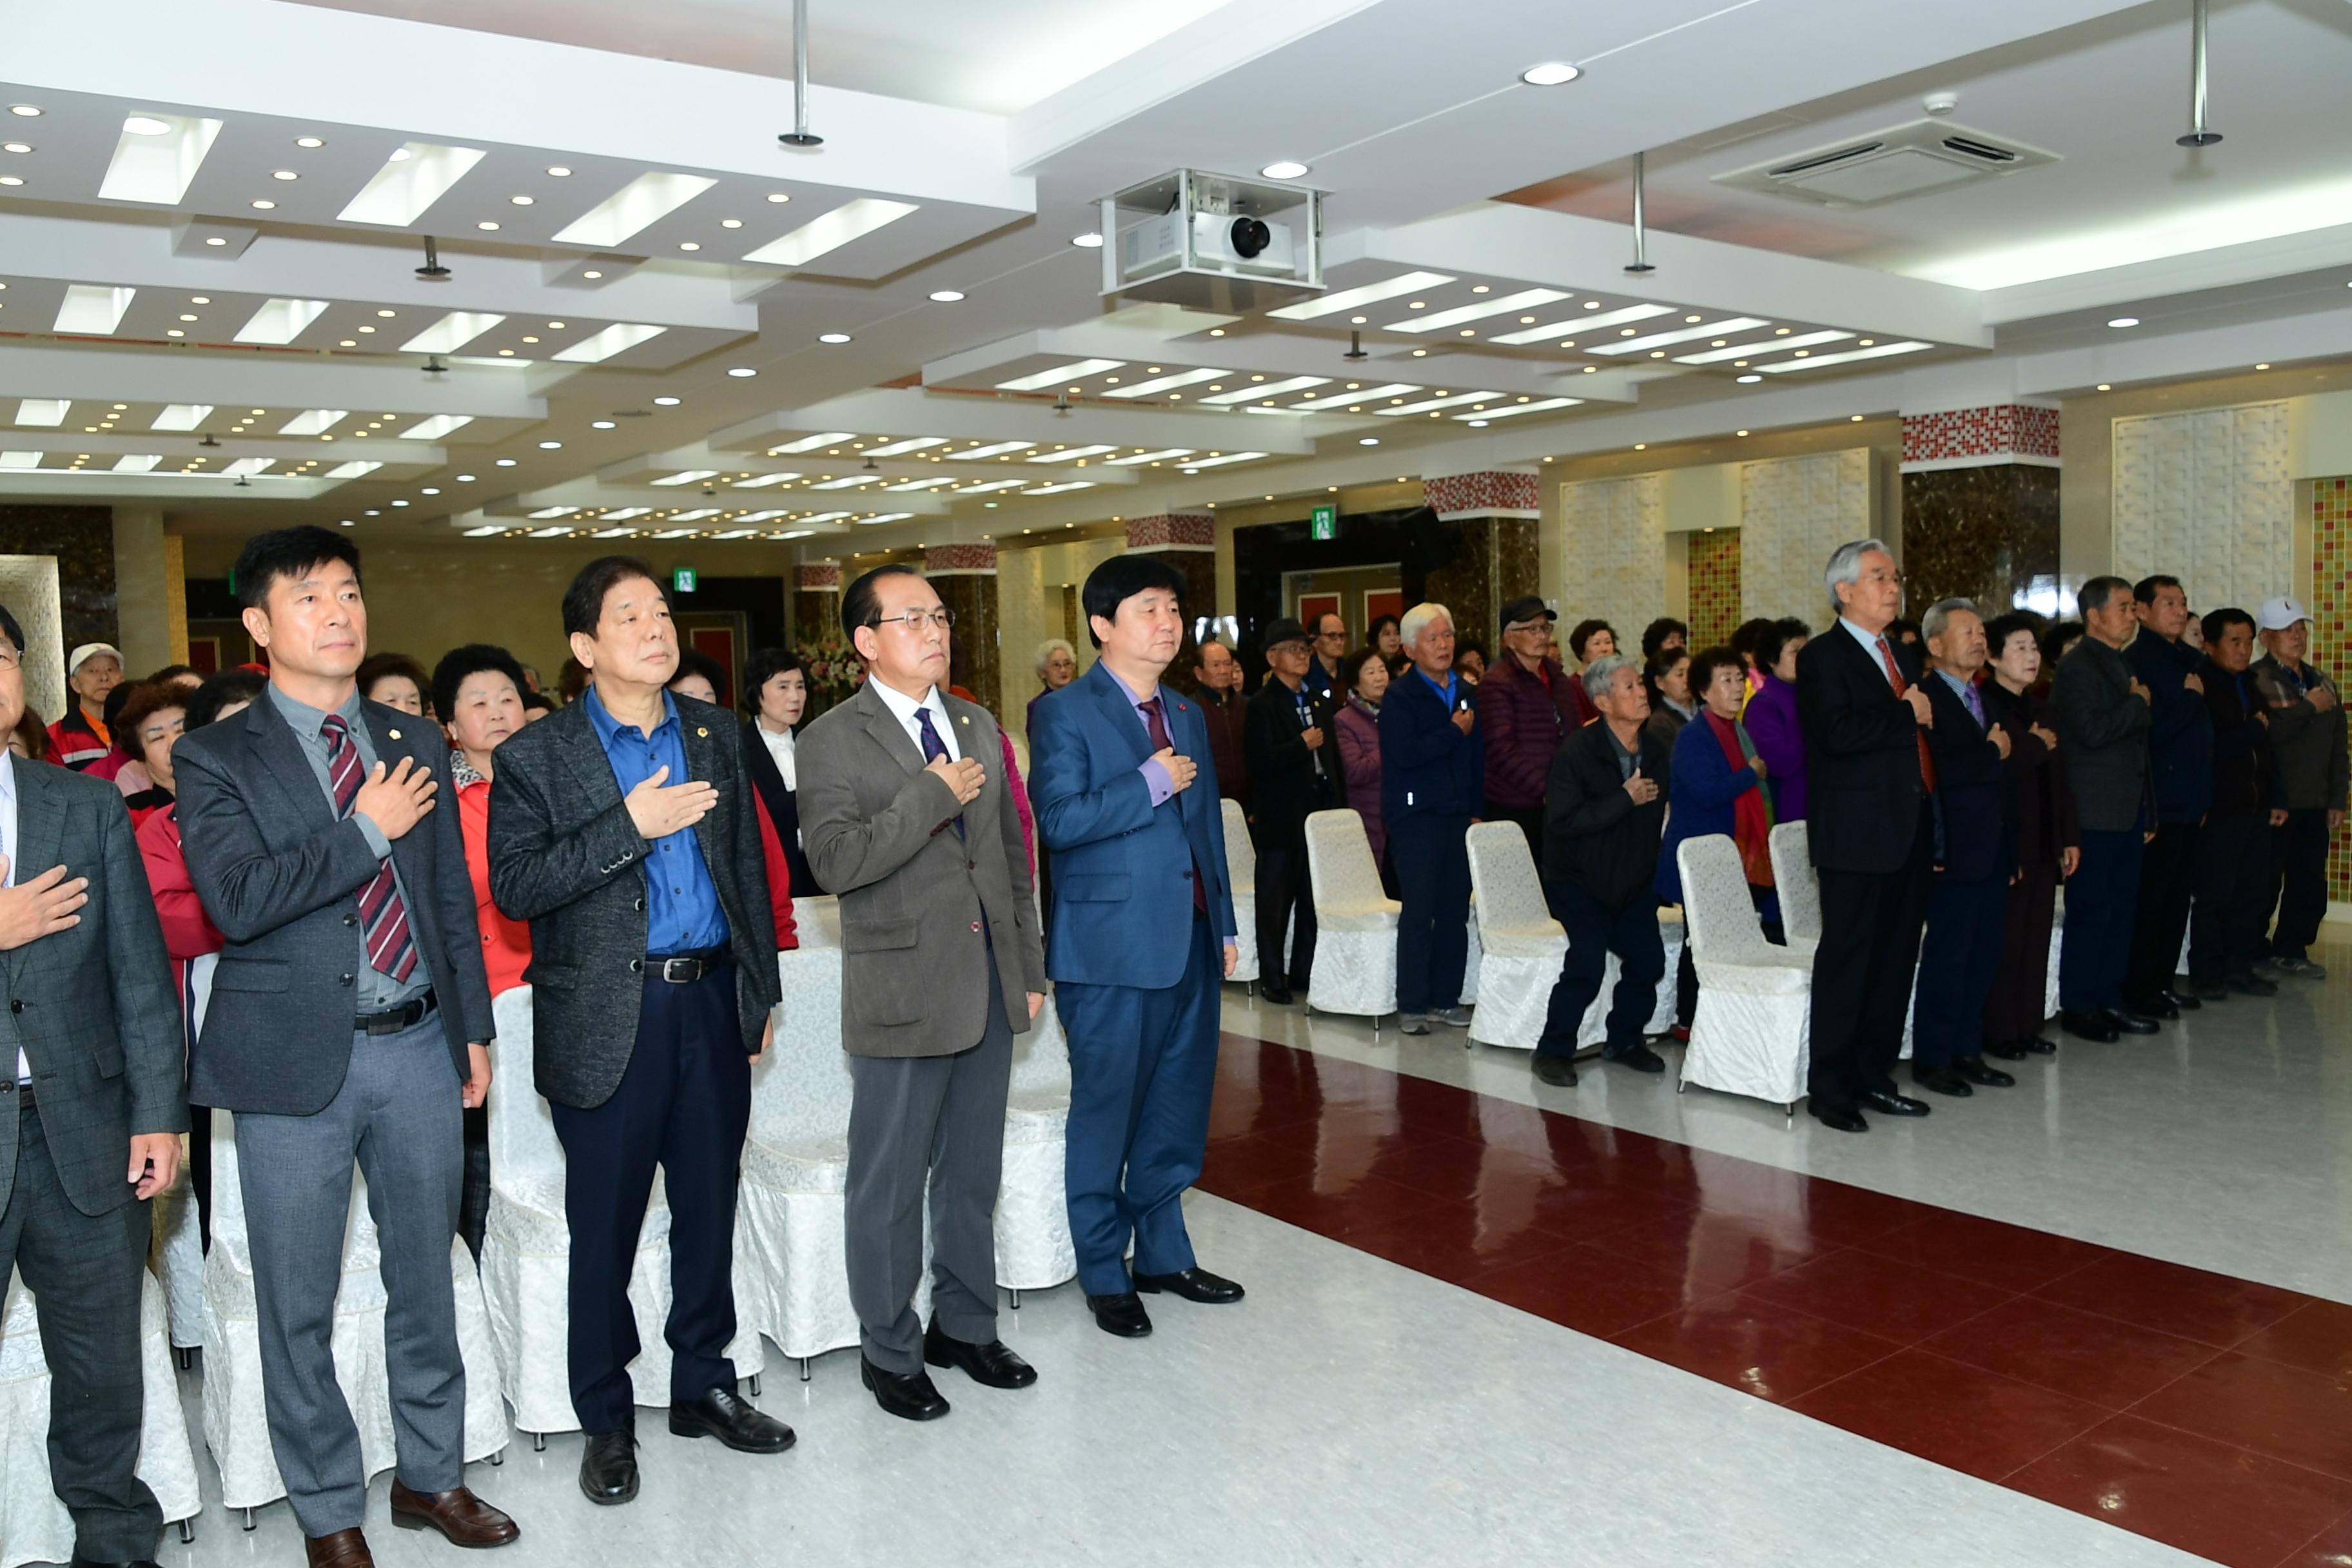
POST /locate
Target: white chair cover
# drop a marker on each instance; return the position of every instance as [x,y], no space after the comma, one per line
[236,1423]
[2057,943]
[526,1251]
[34,1525]
[1593,1030]
[1474,953]
[1241,870]
[1033,1249]
[1354,945]
[178,1251]
[1793,880]
[1523,947]
[1755,1000]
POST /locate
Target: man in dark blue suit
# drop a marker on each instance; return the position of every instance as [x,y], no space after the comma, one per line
[1967,896]
[1432,787]
[1126,800]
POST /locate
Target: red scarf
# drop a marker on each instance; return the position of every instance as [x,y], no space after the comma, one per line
[1752,813]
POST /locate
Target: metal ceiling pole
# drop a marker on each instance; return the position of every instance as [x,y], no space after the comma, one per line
[799,135]
[1640,234]
[2200,135]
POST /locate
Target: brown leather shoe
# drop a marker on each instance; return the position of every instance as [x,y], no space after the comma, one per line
[344,1549]
[460,1516]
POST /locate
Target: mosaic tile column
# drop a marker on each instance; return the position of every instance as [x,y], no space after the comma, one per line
[816,602]
[2331,629]
[965,576]
[1980,507]
[1712,575]
[1495,513]
[1187,541]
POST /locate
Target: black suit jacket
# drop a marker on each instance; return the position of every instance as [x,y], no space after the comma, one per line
[565,856]
[1595,838]
[783,809]
[1974,836]
[1862,754]
[280,876]
[92,1007]
[1283,788]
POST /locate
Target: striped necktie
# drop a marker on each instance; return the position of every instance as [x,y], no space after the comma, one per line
[383,918]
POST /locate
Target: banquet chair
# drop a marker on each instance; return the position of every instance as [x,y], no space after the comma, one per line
[1355,945]
[34,1525]
[1034,1249]
[1799,888]
[1755,1000]
[1523,947]
[1240,872]
[1474,951]
[1672,935]
[178,1251]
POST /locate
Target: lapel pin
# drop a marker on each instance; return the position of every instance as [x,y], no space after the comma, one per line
[700,731]
[393,733]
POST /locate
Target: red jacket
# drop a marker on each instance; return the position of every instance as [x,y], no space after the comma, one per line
[506,944]
[188,932]
[75,741]
[1524,717]
[780,876]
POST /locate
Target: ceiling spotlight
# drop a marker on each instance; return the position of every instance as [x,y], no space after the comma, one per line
[1747,380]
[16,146]
[265,207]
[742,372]
[2106,387]
[946,296]
[307,141]
[550,446]
[1087,241]
[2125,321]
[601,424]
[1368,440]
[1551,73]
[778,196]
[506,462]
[433,271]
[832,337]
[25,110]
[284,175]
[666,401]
[1287,169]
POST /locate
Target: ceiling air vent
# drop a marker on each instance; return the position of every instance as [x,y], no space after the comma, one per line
[1906,161]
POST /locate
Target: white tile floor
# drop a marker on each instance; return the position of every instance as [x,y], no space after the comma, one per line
[2224,1141]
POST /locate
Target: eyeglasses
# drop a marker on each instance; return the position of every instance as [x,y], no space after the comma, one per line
[9,657]
[1324,637]
[916,620]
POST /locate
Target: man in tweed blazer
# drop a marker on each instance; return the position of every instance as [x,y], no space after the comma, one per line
[907,813]
[91,1109]
[622,829]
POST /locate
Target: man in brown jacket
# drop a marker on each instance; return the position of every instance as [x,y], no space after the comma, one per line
[1527,706]
[907,817]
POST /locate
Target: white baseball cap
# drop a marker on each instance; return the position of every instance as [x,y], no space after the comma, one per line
[89,651]
[2277,615]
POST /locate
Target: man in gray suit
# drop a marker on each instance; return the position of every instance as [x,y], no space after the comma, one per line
[907,814]
[622,829]
[350,1019]
[90,1043]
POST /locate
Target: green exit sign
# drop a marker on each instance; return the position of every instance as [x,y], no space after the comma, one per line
[682,580]
[1324,519]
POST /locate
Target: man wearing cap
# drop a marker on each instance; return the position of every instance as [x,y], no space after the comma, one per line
[2306,736]
[1527,706]
[81,737]
[1294,769]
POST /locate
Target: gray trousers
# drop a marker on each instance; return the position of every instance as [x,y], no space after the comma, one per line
[935,1121]
[84,1272]
[397,1115]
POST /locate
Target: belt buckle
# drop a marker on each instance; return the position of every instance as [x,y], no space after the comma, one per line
[680,971]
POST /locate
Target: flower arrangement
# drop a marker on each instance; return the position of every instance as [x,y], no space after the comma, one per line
[833,667]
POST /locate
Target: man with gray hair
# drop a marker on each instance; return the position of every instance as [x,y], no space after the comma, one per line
[1871,828]
[1604,816]
[1433,772]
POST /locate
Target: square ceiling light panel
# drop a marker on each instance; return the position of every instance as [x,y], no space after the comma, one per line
[157,158]
[92,308]
[647,199]
[413,178]
[851,220]
[600,346]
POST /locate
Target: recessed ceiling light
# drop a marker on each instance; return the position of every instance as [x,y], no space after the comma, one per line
[731,223]
[186,317]
[284,175]
[666,401]
[1087,241]
[144,125]
[175,333]
[10,180]
[2104,386]
[486,226]
[741,371]
[550,446]
[1287,169]
[308,142]
[265,207]
[1746,379]
[27,109]
[215,239]
[1551,73]
[560,172]
[464,478]
[832,337]
[506,462]
[1641,446]
[555,326]
[2125,321]
[591,273]
[688,245]
[16,146]
[778,196]
[946,296]
[1739,431]
[520,201]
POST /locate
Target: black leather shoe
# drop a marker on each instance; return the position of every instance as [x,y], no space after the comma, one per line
[608,1466]
[2005,1050]
[1122,1315]
[905,1395]
[2183,1000]
[1973,1069]
[2252,985]
[2039,1048]
[1640,1058]
[1844,1119]
[2157,1006]
[1194,1285]
[1887,1104]
[1273,994]
[1555,1068]
[993,1364]
[723,1414]
[2127,1022]
[1942,1081]
[2088,1027]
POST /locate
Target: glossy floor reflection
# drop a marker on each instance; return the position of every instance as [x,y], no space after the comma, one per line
[2207,1411]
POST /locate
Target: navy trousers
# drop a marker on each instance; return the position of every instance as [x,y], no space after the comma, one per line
[683,1104]
[1957,965]
[1595,932]
[1143,1065]
[1433,867]
[2102,902]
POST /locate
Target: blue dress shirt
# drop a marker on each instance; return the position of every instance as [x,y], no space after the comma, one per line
[682,912]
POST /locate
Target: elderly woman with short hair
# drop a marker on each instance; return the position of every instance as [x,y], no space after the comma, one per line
[1057,665]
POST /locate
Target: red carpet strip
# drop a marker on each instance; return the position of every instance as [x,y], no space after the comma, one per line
[2206,1412]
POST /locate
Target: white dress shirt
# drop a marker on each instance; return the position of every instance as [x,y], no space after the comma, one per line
[1872,642]
[903,708]
[8,847]
[780,748]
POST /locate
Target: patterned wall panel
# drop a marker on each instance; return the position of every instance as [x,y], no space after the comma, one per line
[1494,492]
[1713,575]
[2331,632]
[1955,436]
[1172,530]
[1793,512]
[2205,496]
[1614,532]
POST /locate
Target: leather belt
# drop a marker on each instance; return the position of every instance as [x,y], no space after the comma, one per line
[405,1016]
[679,968]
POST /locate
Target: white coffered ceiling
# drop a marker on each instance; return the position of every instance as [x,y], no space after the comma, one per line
[656,321]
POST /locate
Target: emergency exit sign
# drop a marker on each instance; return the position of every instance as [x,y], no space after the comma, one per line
[682,580]
[1323,519]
